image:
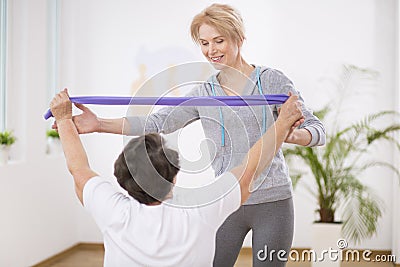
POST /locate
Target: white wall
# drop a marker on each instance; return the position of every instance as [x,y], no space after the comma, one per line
[37,199]
[103,42]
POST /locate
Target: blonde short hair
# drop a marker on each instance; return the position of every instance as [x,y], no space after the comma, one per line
[224,18]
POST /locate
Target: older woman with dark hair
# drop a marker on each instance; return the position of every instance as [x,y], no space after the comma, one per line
[142,230]
[163,163]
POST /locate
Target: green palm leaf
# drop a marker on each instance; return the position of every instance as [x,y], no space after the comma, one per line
[337,167]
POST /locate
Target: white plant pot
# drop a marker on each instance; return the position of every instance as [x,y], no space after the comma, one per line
[327,244]
[4,154]
[54,146]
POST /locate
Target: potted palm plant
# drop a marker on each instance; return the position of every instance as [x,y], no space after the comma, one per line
[6,140]
[337,168]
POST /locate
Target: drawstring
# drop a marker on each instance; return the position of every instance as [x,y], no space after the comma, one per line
[263,107]
[221,118]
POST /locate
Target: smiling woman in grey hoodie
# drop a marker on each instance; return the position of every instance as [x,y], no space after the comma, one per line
[268,212]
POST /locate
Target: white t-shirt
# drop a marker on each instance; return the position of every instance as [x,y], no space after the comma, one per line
[139,235]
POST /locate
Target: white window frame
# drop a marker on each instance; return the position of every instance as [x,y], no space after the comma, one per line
[3,63]
[54,46]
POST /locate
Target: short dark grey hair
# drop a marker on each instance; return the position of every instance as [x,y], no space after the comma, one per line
[146,168]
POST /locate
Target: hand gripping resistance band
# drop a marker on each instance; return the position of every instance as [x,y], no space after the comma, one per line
[252,100]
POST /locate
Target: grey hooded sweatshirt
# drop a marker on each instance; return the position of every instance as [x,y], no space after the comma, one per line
[238,128]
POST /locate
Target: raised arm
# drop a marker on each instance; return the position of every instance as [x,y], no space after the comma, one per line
[74,152]
[263,151]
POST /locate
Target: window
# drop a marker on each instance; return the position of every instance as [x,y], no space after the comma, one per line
[54,45]
[3,44]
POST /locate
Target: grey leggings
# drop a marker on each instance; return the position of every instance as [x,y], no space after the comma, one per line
[272,224]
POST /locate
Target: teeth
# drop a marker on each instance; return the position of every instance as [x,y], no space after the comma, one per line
[216,58]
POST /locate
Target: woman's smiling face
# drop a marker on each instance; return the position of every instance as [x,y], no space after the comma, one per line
[218,49]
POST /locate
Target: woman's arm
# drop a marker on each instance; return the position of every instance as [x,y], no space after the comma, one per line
[88,122]
[263,151]
[311,132]
[298,136]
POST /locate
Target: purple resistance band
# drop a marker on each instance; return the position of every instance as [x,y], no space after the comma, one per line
[252,100]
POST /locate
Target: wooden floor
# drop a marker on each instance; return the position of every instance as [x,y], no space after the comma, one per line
[91,255]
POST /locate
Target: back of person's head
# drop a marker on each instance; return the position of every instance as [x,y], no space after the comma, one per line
[146,168]
[224,18]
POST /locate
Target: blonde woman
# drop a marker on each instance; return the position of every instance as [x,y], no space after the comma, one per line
[268,212]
